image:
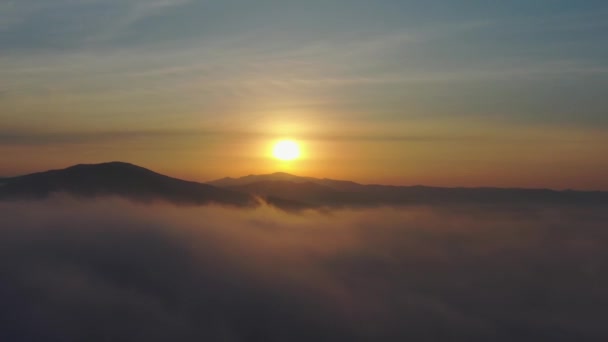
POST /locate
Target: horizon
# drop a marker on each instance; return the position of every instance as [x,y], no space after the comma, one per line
[299,176]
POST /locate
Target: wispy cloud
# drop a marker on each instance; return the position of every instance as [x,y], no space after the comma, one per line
[138,10]
[412,132]
[72,25]
[94,56]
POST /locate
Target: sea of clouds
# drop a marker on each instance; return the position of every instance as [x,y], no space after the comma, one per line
[113,270]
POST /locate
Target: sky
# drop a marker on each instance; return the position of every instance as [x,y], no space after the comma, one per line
[458,93]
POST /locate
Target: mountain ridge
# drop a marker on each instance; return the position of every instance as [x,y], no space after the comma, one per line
[232,181]
[280,189]
[330,192]
[120,179]
[283,176]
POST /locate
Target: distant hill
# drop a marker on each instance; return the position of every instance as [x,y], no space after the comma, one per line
[282,190]
[286,177]
[118,179]
[311,192]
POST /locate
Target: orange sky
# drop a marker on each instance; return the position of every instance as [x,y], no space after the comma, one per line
[418,152]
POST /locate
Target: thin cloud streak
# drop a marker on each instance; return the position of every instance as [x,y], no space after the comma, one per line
[13,138]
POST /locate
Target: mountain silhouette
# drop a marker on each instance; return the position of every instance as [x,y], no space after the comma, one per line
[311,192]
[340,185]
[118,179]
[282,190]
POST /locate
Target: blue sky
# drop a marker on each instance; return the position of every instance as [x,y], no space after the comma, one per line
[74,66]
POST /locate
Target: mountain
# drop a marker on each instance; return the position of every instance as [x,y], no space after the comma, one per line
[286,177]
[118,179]
[314,192]
[282,190]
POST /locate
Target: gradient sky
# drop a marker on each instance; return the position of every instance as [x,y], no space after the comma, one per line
[450,93]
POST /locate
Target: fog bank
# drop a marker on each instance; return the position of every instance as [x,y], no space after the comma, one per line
[114,270]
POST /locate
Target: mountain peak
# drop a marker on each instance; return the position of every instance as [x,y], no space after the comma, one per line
[112,164]
[286,177]
[282,174]
[119,179]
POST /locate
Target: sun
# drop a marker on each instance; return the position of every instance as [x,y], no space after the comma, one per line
[286,150]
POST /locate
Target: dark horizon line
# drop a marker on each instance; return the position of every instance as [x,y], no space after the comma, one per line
[116,162]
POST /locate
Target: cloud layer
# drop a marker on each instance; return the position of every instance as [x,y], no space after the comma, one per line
[113,270]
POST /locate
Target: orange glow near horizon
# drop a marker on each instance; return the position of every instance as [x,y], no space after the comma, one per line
[421,152]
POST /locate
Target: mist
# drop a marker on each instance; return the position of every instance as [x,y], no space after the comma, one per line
[115,270]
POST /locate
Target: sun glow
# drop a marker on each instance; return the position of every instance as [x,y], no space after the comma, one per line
[286,150]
